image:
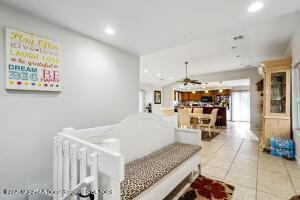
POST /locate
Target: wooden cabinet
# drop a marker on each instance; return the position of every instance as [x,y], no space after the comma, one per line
[185,96]
[194,96]
[276,103]
[189,96]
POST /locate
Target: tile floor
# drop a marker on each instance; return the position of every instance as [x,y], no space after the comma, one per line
[235,158]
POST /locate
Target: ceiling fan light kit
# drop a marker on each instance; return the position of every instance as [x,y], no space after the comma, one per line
[187,80]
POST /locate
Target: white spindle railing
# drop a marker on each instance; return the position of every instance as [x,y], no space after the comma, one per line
[68,151]
[94,173]
[74,167]
[60,169]
[83,165]
[66,166]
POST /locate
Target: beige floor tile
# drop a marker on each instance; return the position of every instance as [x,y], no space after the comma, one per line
[229,148]
[205,159]
[247,156]
[227,158]
[264,156]
[247,151]
[275,183]
[291,164]
[273,177]
[243,193]
[249,171]
[225,153]
[232,145]
[241,179]
[215,162]
[267,196]
[296,183]
[214,171]
[295,172]
[250,148]
[272,167]
[245,162]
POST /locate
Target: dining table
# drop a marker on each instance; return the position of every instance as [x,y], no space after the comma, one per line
[200,116]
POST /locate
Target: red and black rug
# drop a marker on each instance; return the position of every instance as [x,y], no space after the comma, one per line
[208,189]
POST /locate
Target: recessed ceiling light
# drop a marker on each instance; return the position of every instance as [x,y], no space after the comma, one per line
[109,31]
[256,6]
[146,70]
[158,75]
[171,78]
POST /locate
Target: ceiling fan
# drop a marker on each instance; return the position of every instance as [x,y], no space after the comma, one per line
[187,80]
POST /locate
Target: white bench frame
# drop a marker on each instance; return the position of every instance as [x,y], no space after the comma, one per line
[98,151]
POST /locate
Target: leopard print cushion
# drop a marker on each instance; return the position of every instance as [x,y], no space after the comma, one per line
[142,173]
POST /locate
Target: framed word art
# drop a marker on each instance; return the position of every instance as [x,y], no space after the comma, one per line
[32,62]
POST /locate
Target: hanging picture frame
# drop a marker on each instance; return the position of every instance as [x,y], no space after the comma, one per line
[32,62]
[157,97]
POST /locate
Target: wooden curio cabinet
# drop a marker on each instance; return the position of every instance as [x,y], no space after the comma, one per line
[277,97]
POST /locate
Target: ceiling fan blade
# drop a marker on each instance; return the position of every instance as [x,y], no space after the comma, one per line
[179,81]
[195,82]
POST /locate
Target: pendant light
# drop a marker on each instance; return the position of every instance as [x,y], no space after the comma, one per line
[220,89]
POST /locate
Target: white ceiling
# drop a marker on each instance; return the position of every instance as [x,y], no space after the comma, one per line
[166,32]
[263,41]
[213,85]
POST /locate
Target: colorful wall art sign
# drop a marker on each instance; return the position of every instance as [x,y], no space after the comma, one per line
[32,62]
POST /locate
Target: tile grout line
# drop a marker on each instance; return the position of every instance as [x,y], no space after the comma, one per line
[223,179]
[233,159]
[218,149]
[289,176]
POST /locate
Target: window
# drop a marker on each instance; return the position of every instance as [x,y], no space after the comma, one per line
[141,100]
[241,106]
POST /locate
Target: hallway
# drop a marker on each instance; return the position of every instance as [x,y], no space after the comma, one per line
[235,158]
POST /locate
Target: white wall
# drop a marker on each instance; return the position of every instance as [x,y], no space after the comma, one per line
[100,86]
[295,52]
[295,47]
[149,96]
[249,73]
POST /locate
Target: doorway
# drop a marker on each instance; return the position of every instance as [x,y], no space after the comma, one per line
[240,106]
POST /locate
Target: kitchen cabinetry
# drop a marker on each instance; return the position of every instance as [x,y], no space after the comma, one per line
[276,103]
[189,96]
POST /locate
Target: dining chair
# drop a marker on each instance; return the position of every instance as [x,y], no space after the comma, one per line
[198,110]
[165,111]
[189,109]
[212,122]
[183,117]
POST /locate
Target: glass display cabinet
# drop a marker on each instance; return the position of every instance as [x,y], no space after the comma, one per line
[276,104]
[278,92]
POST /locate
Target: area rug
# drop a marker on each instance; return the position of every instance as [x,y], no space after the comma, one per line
[208,189]
[205,135]
[295,197]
